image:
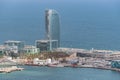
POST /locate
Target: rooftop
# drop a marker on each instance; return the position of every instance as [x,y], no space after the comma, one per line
[12,41]
[45,40]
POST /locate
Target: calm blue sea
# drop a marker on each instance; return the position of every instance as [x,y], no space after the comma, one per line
[47,73]
[84,23]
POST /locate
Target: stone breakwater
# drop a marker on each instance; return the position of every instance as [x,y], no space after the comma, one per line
[10,69]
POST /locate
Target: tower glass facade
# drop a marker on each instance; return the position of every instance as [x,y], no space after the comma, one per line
[52,26]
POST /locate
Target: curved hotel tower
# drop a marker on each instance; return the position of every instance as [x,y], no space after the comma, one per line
[52,26]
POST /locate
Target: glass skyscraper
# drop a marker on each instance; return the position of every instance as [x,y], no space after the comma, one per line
[52,26]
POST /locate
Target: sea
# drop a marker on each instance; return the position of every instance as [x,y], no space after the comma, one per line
[83,23]
[50,73]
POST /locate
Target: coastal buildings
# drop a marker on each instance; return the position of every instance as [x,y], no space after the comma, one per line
[52,26]
[29,49]
[44,45]
[14,46]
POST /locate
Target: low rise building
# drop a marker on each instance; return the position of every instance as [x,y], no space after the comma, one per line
[46,45]
[29,49]
[14,46]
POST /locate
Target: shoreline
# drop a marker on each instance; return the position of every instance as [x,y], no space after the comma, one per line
[78,66]
[8,70]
